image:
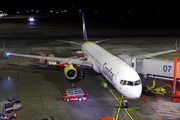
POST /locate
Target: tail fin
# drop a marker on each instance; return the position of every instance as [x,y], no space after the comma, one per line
[85,39]
[84,30]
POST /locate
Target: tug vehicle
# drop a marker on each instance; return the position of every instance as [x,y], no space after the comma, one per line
[6,110]
[3,14]
[74,94]
[17,105]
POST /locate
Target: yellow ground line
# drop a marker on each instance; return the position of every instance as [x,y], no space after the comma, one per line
[129,115]
[120,102]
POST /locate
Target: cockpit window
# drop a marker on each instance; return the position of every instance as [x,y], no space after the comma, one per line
[137,82]
[123,82]
[130,83]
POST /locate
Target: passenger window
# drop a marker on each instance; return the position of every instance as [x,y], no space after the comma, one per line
[123,82]
[130,83]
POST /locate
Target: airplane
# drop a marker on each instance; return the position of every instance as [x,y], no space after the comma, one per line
[122,76]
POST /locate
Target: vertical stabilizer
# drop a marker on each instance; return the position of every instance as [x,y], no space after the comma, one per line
[84,29]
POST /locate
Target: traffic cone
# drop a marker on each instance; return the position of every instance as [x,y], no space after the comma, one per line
[8,77]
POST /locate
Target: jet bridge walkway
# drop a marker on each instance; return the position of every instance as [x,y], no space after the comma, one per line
[153,67]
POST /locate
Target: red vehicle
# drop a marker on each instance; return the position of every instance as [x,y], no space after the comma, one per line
[74,94]
[107,118]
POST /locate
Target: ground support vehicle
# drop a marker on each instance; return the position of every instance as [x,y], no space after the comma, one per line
[6,110]
[16,103]
[107,118]
[157,90]
[74,94]
[175,97]
[3,14]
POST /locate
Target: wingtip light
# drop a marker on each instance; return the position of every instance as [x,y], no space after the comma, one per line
[7,54]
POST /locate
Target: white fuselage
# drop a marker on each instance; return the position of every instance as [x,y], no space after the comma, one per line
[124,78]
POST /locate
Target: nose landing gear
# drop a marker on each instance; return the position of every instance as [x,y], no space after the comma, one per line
[81,73]
[124,103]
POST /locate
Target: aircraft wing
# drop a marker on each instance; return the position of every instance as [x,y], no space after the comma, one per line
[157,53]
[68,60]
[154,54]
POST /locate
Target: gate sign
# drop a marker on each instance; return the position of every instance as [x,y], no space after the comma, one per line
[167,68]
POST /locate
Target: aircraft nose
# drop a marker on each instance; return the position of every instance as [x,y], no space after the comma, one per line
[136,92]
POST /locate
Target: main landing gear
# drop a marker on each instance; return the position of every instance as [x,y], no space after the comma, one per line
[81,73]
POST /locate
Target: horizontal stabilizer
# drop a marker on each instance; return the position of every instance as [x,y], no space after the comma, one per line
[69,42]
[101,41]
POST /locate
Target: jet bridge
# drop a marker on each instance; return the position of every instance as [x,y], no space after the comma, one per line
[157,68]
[153,67]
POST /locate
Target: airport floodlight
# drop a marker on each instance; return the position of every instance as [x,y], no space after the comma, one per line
[31,19]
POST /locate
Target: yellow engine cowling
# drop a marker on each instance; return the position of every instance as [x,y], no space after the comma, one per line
[70,72]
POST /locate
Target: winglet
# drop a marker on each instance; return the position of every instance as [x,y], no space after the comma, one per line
[5,53]
[3,45]
[101,41]
[175,46]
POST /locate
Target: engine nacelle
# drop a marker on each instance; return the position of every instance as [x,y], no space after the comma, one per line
[70,72]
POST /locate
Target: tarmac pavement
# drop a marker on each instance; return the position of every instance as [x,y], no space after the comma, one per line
[39,86]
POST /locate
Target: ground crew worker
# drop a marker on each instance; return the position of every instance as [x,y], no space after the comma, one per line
[104,85]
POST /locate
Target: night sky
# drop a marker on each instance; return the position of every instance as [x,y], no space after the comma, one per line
[136,10]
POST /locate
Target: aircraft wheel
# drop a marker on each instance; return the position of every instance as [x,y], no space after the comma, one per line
[81,74]
[125,105]
[175,99]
